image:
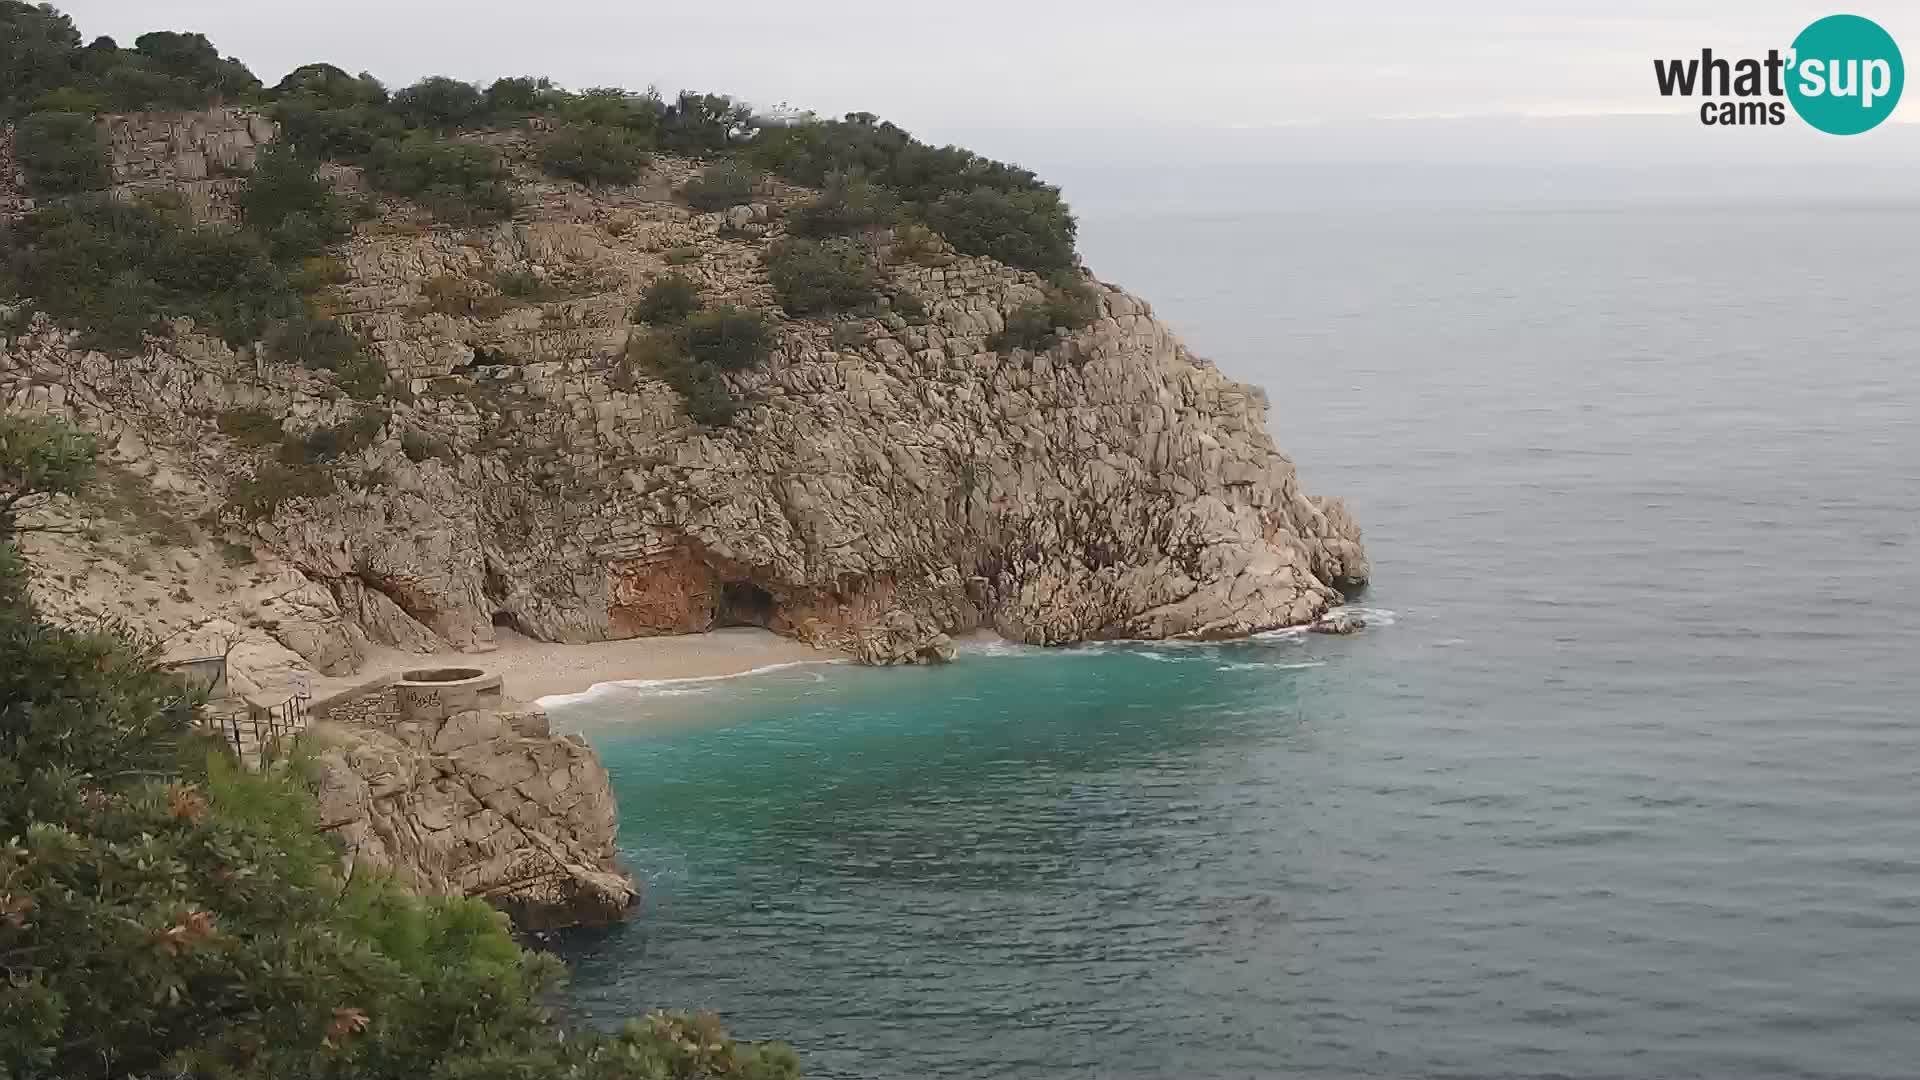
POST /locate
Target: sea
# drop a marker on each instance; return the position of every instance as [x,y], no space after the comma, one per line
[1622,780]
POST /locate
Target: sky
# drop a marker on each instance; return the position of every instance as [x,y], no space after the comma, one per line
[1480,91]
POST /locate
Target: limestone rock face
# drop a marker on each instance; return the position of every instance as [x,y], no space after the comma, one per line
[891,481]
[483,804]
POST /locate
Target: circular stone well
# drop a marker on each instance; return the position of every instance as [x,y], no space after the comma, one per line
[437,693]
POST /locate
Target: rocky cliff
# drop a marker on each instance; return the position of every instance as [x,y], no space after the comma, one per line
[893,481]
[481,803]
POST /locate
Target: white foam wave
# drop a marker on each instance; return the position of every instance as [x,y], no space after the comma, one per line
[697,684]
[1373,615]
[1253,665]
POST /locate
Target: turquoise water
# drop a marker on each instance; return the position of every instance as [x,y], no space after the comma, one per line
[1620,785]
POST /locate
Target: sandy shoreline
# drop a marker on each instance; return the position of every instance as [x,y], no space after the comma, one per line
[537,669]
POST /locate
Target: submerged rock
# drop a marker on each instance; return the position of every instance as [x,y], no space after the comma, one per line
[1339,622]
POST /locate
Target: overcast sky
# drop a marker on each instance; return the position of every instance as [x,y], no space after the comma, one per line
[1055,83]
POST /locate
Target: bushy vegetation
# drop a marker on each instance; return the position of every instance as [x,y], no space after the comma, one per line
[43,65]
[250,426]
[459,183]
[325,344]
[61,153]
[165,913]
[982,207]
[324,445]
[718,187]
[593,154]
[669,300]
[421,447]
[286,202]
[728,337]
[696,123]
[814,276]
[1069,305]
[1028,228]
[115,270]
[663,354]
[849,204]
[275,482]
[691,353]
[441,104]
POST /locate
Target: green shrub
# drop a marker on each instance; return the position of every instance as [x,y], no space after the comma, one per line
[320,344]
[613,107]
[918,244]
[114,270]
[333,132]
[1028,229]
[326,445]
[718,187]
[849,335]
[419,447]
[730,338]
[907,305]
[593,154]
[849,204]
[939,186]
[450,294]
[440,104]
[1069,305]
[811,276]
[459,183]
[38,50]
[274,483]
[43,65]
[286,202]
[702,123]
[709,400]
[522,285]
[251,426]
[62,153]
[517,96]
[327,345]
[669,300]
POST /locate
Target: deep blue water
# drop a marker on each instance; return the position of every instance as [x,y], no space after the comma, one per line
[1625,787]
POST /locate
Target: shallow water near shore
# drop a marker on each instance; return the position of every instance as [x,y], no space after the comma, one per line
[1620,783]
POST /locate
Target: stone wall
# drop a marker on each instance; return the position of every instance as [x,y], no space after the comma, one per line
[370,704]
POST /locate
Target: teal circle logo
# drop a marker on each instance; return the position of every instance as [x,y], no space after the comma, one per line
[1846,75]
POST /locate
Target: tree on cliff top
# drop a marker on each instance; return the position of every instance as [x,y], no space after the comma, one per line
[165,913]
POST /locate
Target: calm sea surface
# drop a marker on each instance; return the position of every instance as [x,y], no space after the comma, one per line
[1623,784]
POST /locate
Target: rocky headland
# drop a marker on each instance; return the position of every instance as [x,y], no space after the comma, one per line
[893,481]
[893,476]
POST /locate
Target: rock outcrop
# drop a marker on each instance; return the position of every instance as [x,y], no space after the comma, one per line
[484,804]
[893,481]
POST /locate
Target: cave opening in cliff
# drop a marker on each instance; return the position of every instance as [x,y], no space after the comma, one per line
[742,603]
[504,620]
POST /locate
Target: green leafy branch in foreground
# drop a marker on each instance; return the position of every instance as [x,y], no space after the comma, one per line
[165,913]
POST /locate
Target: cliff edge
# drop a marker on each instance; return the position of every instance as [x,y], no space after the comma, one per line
[482,803]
